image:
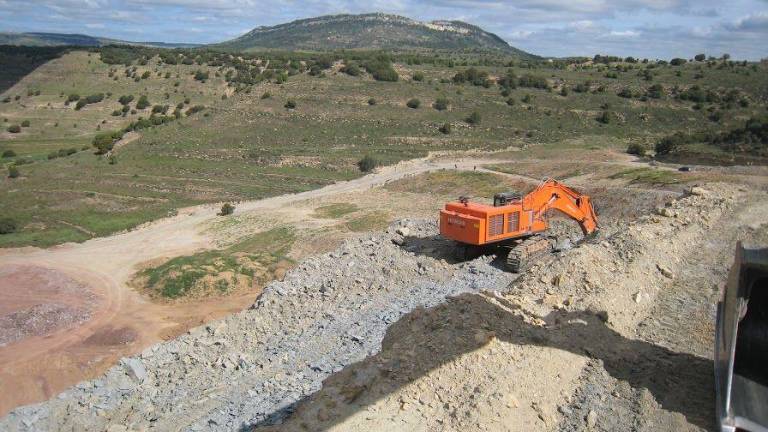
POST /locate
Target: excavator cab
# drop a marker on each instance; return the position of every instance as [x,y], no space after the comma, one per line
[506,198]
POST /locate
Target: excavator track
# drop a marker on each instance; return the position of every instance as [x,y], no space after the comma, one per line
[522,254]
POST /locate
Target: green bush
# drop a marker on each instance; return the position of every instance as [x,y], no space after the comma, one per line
[14,129]
[80,104]
[125,99]
[367,163]
[53,155]
[604,117]
[8,225]
[413,103]
[9,154]
[266,95]
[511,101]
[441,104]
[142,103]
[13,172]
[351,69]
[636,149]
[290,104]
[445,128]
[418,76]
[73,97]
[474,118]
[227,209]
[105,141]
[201,76]
[25,123]
[371,101]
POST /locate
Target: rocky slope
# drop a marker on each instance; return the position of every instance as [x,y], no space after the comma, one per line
[612,335]
[371,31]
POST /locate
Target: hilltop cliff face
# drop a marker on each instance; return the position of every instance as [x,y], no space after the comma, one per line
[371,31]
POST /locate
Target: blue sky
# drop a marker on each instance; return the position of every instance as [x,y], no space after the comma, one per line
[641,28]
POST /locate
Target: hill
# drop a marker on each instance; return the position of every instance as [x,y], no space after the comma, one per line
[62,39]
[371,31]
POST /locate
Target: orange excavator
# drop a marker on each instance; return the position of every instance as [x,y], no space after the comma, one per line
[514,222]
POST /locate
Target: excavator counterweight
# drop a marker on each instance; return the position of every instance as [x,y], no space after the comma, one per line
[513,219]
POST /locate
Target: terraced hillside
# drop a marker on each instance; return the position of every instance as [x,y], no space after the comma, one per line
[282,123]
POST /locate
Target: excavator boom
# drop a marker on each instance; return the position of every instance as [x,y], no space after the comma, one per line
[513,217]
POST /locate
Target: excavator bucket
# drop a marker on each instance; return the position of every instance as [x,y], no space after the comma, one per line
[741,345]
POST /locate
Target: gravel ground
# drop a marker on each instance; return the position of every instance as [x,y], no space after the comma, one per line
[250,368]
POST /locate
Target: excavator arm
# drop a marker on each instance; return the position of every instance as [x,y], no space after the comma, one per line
[554,195]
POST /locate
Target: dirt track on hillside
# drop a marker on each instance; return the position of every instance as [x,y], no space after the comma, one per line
[125,322]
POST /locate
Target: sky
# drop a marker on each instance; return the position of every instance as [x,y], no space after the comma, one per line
[641,28]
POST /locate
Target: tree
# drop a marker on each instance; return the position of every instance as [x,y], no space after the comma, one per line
[14,129]
[700,57]
[8,225]
[474,118]
[445,128]
[367,163]
[441,104]
[290,104]
[413,103]
[677,62]
[227,209]
[13,171]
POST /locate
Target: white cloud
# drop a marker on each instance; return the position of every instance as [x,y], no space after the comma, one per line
[625,33]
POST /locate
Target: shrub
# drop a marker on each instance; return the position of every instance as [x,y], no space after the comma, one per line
[14,129]
[472,76]
[413,103]
[351,69]
[125,99]
[194,109]
[201,76]
[142,103]
[604,117]
[8,225]
[367,163]
[625,93]
[418,76]
[511,101]
[290,104]
[473,118]
[9,154]
[53,155]
[105,141]
[80,104]
[227,209]
[655,91]
[159,109]
[441,104]
[533,81]
[116,113]
[145,75]
[371,101]
[445,128]
[677,62]
[73,97]
[636,149]
[381,69]
[266,95]
[13,172]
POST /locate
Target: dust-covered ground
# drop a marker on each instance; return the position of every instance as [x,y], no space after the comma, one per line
[389,332]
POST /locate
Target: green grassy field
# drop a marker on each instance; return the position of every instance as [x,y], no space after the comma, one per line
[245,146]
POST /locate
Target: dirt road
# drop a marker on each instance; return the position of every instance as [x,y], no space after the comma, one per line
[124,322]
